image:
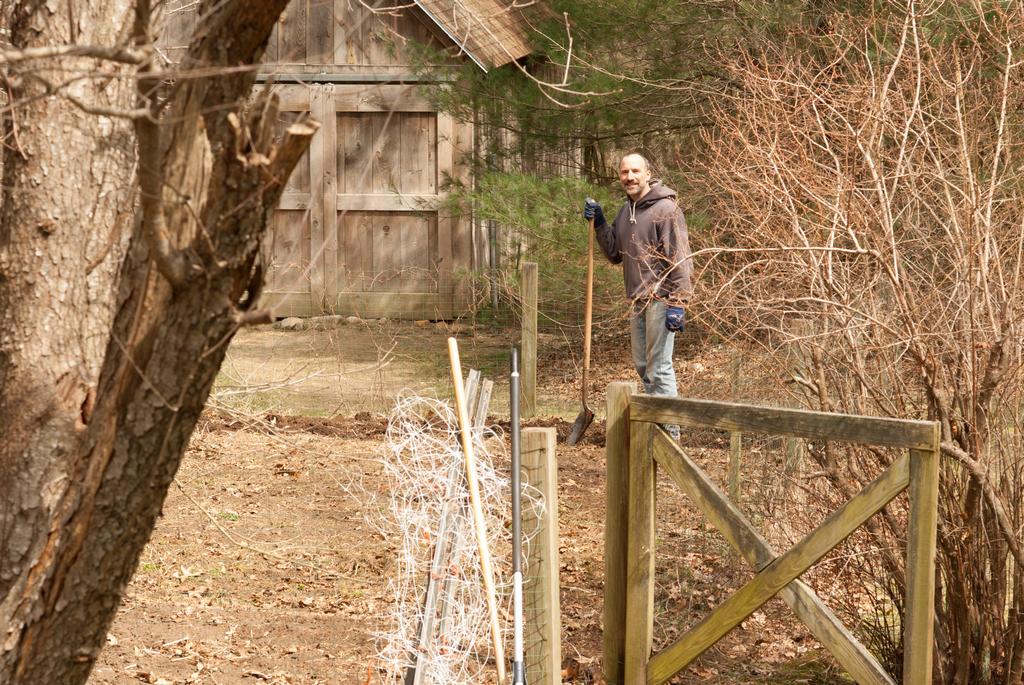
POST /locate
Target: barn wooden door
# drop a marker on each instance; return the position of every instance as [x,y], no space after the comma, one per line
[291,254]
[388,249]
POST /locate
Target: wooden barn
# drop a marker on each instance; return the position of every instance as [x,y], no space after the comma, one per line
[362,228]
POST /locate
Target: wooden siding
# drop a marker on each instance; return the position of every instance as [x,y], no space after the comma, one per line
[290,243]
[348,37]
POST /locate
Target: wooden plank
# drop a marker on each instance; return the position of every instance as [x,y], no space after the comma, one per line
[357,250]
[369,100]
[356,141]
[316,169]
[415,265]
[337,123]
[445,145]
[639,554]
[744,538]
[293,97]
[779,573]
[370,202]
[300,179]
[919,631]
[418,168]
[320,33]
[796,422]
[387,251]
[528,340]
[379,37]
[294,200]
[348,36]
[448,225]
[392,305]
[541,603]
[616,526]
[480,410]
[329,144]
[462,159]
[290,253]
[292,32]
[381,98]
[288,304]
[386,160]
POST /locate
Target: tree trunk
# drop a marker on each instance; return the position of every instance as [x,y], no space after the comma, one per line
[117,301]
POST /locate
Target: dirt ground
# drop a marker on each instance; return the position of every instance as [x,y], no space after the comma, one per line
[264,567]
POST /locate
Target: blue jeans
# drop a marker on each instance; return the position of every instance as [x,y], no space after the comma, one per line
[652,345]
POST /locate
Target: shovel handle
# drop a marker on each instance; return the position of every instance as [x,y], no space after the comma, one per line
[479,522]
[588,309]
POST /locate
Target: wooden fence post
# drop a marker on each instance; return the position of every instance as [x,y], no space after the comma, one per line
[528,343]
[616,527]
[640,554]
[919,633]
[542,607]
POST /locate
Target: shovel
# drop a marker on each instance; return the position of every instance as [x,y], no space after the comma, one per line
[586,417]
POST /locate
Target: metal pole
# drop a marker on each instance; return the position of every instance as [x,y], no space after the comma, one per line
[518,670]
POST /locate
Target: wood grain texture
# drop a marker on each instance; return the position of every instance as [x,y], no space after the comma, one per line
[796,422]
[348,36]
[292,33]
[370,305]
[616,527]
[919,631]
[356,243]
[317,230]
[542,606]
[780,573]
[320,33]
[385,152]
[640,554]
[745,539]
[371,202]
[329,249]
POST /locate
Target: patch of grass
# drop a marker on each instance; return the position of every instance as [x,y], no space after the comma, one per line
[227,515]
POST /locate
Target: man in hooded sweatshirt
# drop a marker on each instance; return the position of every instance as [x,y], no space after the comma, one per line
[648,237]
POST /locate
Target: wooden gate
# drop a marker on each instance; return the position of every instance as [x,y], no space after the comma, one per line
[635,443]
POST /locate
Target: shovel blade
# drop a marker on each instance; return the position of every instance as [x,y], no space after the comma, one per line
[580,425]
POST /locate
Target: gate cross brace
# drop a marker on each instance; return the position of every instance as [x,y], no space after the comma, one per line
[776,574]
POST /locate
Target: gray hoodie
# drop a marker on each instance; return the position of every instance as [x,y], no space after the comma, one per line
[649,239]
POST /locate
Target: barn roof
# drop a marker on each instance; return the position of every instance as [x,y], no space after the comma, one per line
[490,32]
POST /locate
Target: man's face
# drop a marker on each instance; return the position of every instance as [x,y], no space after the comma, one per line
[634,176]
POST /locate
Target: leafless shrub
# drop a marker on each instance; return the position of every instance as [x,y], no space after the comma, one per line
[868,203]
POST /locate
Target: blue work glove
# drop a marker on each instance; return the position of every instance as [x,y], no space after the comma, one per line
[675,318]
[592,210]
